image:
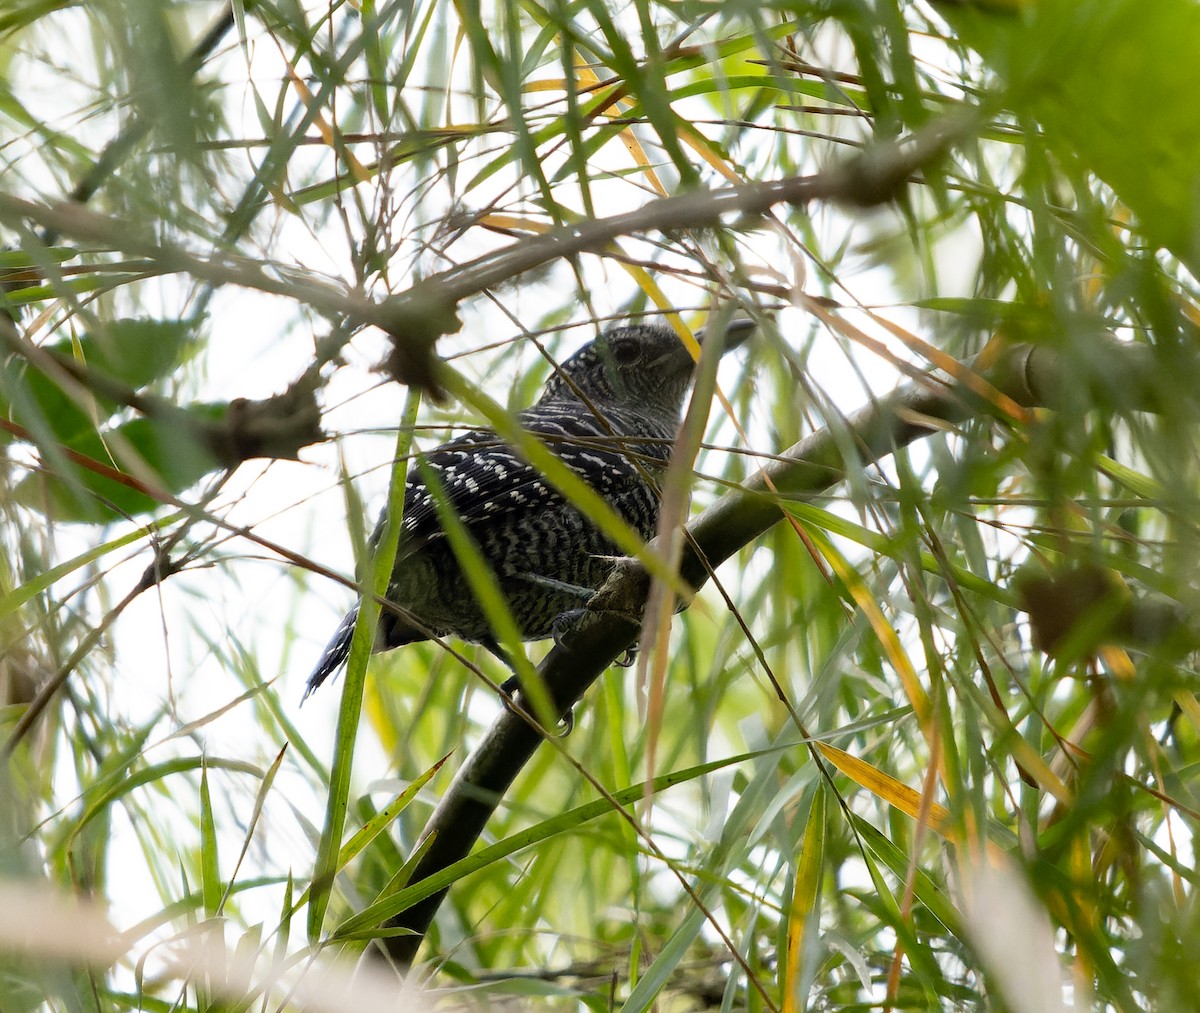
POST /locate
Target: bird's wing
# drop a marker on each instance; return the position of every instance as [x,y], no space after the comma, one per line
[484,479]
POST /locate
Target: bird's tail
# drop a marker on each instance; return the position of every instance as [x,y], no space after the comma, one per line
[335,654]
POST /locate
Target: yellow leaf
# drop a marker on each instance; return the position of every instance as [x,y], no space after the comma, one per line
[886,787]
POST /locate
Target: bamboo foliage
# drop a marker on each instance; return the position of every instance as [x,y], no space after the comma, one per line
[922,737]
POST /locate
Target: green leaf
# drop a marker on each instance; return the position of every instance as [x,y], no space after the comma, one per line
[164,453]
[329,848]
[14,599]
[131,352]
[17,260]
[137,352]
[572,820]
[900,864]
[1111,83]
[38,404]
[210,870]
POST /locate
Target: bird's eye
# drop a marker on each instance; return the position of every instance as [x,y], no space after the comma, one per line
[626,353]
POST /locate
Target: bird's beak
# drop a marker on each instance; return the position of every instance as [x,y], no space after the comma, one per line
[737,332]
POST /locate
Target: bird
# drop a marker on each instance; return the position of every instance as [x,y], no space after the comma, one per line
[611,413]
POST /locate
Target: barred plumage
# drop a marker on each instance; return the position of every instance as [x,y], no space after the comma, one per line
[610,413]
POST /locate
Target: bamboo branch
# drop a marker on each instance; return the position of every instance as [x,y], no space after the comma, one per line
[418,316]
[1030,376]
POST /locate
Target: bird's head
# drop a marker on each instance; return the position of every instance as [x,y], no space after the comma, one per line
[645,366]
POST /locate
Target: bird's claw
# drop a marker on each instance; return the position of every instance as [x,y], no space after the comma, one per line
[563,623]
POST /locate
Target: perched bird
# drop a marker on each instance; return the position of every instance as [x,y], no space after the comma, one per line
[611,413]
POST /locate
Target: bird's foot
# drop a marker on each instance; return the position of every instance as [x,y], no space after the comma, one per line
[563,624]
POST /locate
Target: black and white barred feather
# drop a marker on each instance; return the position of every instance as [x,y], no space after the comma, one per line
[610,413]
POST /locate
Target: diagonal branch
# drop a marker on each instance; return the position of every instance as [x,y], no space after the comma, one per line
[1029,375]
[418,316]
